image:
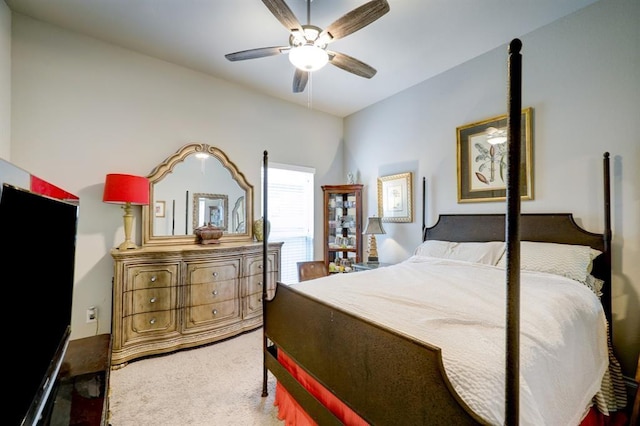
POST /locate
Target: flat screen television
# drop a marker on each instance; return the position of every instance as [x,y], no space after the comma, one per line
[38,238]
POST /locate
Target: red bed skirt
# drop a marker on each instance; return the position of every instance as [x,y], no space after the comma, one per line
[596,418]
[293,415]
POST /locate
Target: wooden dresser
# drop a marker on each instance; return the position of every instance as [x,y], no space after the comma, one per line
[175,297]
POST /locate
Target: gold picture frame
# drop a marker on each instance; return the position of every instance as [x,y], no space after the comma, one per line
[482,166]
[395,201]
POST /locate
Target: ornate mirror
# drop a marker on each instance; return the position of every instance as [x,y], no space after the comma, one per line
[193,187]
[211,208]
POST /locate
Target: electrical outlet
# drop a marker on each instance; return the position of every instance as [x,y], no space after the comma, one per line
[92,314]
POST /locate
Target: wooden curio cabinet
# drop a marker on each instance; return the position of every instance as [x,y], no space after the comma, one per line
[342,223]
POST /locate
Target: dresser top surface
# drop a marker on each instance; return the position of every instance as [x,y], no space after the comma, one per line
[238,246]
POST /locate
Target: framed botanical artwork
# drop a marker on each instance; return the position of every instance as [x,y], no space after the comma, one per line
[482,166]
[394,198]
[159,208]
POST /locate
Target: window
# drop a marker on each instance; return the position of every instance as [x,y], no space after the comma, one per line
[291,215]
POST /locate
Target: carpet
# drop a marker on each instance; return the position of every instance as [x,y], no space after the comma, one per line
[217,384]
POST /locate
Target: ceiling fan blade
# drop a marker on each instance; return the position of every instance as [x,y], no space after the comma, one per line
[300,79]
[351,65]
[281,11]
[358,18]
[257,53]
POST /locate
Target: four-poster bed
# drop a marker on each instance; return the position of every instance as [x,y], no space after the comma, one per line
[342,363]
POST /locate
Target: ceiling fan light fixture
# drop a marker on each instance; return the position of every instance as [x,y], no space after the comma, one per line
[308,57]
[311,32]
[307,47]
[297,38]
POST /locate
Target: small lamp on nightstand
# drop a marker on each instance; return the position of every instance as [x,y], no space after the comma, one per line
[127,190]
[374,226]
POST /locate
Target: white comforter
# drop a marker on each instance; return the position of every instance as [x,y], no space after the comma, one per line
[460,307]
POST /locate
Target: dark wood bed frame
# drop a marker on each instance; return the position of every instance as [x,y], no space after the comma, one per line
[389,378]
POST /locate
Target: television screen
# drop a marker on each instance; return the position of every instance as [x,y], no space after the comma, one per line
[38,238]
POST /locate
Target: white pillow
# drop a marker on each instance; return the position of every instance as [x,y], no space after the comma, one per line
[488,253]
[567,260]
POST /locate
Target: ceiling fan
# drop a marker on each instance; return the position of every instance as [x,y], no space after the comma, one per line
[307,47]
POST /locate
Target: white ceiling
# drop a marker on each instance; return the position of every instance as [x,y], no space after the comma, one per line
[416,40]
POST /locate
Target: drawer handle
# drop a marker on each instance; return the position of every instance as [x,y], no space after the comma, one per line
[214,292]
[215,274]
[152,300]
[214,312]
[259,299]
[152,321]
[153,279]
[260,266]
[260,284]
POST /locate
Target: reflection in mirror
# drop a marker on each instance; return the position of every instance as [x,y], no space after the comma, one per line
[238,215]
[210,209]
[195,186]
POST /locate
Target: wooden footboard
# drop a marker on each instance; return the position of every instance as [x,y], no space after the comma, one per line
[384,376]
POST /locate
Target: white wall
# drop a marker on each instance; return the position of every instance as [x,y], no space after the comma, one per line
[581,76]
[5,81]
[83,108]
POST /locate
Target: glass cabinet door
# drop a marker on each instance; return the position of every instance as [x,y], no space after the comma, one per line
[343,226]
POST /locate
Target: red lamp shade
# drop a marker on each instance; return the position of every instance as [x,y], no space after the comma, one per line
[122,189]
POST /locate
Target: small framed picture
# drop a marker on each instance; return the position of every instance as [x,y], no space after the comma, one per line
[394,198]
[159,208]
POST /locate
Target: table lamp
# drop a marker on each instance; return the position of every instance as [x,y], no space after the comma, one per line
[127,190]
[374,226]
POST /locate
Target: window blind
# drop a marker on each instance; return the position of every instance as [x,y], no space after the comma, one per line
[291,215]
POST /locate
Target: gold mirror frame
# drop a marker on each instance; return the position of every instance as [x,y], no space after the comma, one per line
[167,167]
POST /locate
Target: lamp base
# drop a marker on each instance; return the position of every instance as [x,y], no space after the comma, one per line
[128,221]
[127,245]
[373,250]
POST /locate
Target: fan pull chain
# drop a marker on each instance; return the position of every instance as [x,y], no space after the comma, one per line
[310,91]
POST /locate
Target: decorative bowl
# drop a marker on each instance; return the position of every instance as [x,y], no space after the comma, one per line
[208,234]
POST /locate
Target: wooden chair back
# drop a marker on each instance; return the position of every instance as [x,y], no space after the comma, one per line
[311,269]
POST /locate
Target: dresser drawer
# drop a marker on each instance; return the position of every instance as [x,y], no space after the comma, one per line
[254,264]
[149,324]
[150,300]
[207,272]
[255,283]
[212,314]
[151,276]
[253,306]
[214,292]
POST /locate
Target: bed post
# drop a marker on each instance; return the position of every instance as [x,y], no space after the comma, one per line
[265,248]
[607,238]
[424,207]
[514,100]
